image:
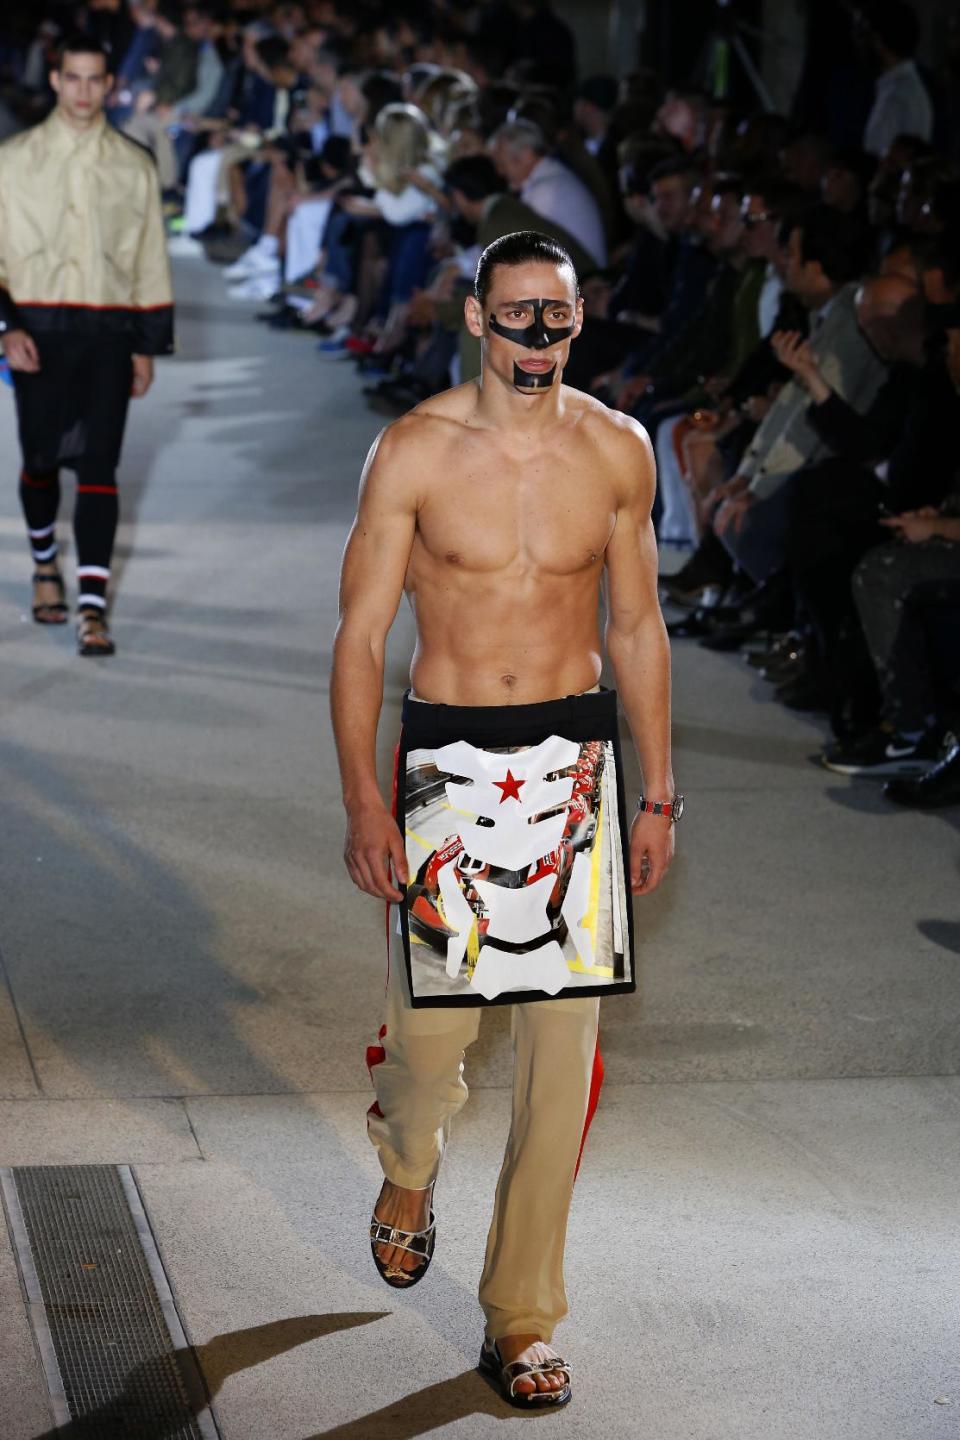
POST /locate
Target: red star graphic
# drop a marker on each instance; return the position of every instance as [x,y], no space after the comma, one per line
[510,788]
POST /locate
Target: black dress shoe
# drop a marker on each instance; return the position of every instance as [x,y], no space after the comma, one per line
[786,667]
[779,646]
[940,785]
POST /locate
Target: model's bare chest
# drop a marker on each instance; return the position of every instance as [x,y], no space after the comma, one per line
[492,511]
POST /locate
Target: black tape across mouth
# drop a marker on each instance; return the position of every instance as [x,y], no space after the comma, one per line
[533,379]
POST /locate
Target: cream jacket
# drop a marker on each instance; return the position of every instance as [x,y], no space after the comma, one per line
[82,244]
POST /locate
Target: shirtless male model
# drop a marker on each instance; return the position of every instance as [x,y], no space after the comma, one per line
[503,508]
[85,305]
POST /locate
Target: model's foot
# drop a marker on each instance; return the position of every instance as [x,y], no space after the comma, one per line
[532,1351]
[402,1210]
[49,606]
[93,637]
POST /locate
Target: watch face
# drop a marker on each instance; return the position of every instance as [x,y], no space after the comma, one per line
[677,807]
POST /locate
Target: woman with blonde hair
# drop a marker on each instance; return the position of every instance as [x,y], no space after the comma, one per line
[397,166]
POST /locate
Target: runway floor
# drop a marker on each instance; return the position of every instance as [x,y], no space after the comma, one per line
[764,1242]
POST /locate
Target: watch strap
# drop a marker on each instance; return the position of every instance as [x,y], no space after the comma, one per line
[670,809]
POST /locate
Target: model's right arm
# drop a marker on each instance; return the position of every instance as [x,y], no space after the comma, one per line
[371,587]
[18,347]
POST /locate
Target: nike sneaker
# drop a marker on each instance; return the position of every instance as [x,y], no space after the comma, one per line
[883,751]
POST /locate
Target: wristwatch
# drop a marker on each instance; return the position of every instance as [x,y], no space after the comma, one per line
[671,809]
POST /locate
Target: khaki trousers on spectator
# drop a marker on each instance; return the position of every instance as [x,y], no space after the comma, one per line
[151,131]
[417,1072]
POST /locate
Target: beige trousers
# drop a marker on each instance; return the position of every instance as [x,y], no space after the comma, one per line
[417,1072]
[148,129]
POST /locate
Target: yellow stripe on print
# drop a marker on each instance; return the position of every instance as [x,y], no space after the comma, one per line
[592,917]
[473,949]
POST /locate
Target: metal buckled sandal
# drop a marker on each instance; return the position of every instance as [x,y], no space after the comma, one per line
[54,612]
[415,1242]
[506,1377]
[93,636]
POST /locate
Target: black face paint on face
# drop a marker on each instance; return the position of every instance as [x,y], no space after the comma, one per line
[526,380]
[536,335]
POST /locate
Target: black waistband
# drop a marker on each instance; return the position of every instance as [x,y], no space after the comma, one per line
[591,716]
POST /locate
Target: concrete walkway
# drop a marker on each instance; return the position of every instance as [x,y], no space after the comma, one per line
[764,1243]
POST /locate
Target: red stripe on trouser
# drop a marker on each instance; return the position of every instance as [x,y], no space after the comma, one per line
[40,482]
[376,1056]
[596,1081]
[96,489]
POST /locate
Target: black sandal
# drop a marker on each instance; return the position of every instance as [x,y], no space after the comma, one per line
[86,644]
[415,1242]
[55,612]
[506,1377]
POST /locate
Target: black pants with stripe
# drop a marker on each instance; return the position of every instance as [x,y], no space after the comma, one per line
[72,414]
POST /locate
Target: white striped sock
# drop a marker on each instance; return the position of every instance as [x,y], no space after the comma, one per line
[96,572]
[41,555]
[98,600]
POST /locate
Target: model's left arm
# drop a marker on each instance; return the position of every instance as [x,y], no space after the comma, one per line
[152,298]
[640,654]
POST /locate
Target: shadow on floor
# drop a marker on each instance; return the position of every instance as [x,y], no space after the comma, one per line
[430,1409]
[221,1357]
[945,933]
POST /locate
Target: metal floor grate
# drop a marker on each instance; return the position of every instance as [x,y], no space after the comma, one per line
[123,1376]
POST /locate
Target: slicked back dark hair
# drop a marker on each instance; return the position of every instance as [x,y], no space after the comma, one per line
[522,247]
[80,44]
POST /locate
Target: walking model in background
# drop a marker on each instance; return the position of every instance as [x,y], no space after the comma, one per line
[501,507]
[85,305]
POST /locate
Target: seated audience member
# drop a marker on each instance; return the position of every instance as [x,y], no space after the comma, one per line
[479,196]
[689,268]
[593,109]
[883,190]
[551,112]
[895,588]
[805,161]
[715,340]
[825,256]
[928,199]
[309,208]
[215,185]
[887,460]
[404,181]
[901,104]
[176,77]
[844,183]
[658,267]
[200,27]
[521,154]
[758,144]
[726,420]
[684,118]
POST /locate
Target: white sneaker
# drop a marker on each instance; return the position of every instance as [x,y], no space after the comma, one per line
[257,287]
[184,246]
[254,261]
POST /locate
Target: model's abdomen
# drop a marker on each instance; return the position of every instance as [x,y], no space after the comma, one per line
[499,639]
